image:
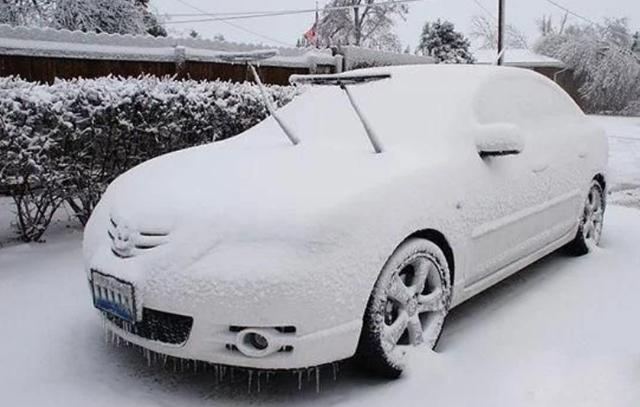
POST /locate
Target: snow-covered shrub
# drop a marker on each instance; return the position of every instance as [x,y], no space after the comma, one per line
[68,140]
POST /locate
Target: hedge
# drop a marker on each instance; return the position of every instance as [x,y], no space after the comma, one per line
[65,142]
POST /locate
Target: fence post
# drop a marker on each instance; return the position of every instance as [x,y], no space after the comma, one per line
[180,57]
[339,63]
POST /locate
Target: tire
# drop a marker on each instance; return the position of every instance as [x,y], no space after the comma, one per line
[591,221]
[407,307]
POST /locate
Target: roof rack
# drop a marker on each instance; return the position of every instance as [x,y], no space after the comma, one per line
[343,80]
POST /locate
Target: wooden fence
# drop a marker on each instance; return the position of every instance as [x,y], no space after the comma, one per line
[47,69]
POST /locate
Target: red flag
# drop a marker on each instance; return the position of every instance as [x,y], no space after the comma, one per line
[310,34]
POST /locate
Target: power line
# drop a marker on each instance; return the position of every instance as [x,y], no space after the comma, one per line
[248,15]
[239,27]
[563,8]
[237,17]
[485,10]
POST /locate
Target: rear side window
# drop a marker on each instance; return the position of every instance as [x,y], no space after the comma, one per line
[523,99]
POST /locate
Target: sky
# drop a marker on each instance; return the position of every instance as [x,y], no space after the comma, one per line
[285,30]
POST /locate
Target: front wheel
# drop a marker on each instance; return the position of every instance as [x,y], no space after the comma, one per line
[591,221]
[407,307]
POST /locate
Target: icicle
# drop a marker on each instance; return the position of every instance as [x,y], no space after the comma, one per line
[317,369]
[232,373]
[250,377]
[195,367]
[215,374]
[299,380]
[259,373]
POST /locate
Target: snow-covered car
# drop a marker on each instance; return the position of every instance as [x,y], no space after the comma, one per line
[406,191]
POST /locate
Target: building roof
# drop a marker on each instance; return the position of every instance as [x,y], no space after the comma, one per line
[523,58]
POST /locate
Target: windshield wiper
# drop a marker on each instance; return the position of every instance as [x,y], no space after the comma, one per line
[249,58]
[343,80]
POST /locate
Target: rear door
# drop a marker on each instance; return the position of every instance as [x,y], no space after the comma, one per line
[522,202]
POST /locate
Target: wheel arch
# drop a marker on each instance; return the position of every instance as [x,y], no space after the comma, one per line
[439,239]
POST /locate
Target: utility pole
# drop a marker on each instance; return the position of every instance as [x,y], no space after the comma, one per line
[317,25]
[501,31]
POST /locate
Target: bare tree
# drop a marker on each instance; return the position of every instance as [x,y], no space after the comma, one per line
[24,12]
[110,16]
[485,30]
[369,25]
[547,27]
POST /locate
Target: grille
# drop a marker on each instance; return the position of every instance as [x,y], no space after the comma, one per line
[157,326]
[127,242]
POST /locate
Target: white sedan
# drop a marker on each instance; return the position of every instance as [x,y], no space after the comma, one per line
[350,222]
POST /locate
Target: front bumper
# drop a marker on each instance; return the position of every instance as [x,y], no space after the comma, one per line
[217,343]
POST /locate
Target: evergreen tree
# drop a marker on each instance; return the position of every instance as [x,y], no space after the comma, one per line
[441,41]
[150,19]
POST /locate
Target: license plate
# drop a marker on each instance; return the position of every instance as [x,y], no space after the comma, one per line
[112,295]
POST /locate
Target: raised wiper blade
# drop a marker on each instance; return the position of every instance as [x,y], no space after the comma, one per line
[247,57]
[344,81]
[337,79]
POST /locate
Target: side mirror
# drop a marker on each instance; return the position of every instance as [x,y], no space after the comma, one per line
[499,139]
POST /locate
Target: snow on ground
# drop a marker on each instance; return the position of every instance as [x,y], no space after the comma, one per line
[624,158]
[563,332]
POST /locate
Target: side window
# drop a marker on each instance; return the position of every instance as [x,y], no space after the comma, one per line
[522,100]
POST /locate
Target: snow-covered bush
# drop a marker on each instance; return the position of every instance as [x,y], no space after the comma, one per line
[441,41]
[67,141]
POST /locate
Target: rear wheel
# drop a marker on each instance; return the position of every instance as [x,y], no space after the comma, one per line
[591,221]
[407,307]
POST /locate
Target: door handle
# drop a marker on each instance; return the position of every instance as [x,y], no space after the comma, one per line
[538,168]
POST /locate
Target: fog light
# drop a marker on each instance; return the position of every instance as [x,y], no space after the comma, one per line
[257,341]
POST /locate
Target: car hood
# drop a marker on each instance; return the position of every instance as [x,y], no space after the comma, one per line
[255,186]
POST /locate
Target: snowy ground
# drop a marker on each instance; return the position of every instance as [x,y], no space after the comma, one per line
[624,158]
[563,332]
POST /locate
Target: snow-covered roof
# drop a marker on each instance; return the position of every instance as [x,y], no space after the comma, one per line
[49,42]
[517,57]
